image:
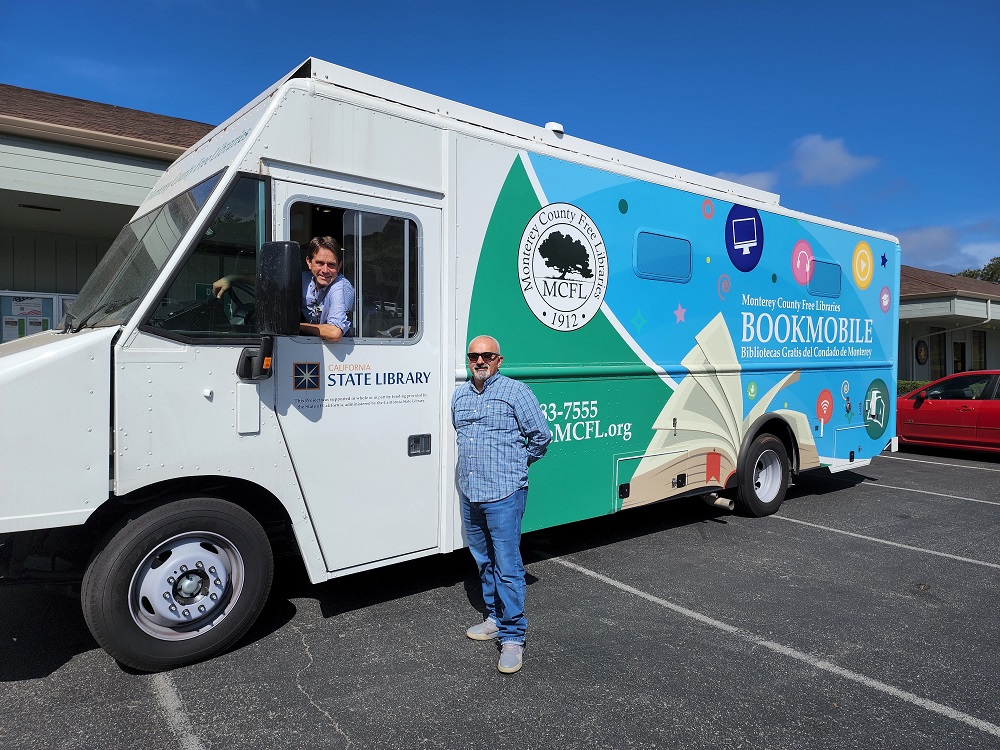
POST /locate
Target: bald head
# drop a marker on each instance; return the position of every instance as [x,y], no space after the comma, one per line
[484,344]
[484,359]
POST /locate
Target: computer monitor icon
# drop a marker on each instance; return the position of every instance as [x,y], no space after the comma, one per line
[744,234]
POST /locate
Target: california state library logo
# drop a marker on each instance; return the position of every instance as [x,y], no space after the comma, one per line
[305,376]
[562,266]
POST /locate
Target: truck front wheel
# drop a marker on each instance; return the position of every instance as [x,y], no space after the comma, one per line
[177,583]
[763,477]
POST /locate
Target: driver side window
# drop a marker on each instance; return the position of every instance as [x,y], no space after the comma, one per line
[965,388]
[381,260]
[227,249]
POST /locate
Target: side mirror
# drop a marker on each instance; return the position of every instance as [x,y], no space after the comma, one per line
[922,396]
[279,288]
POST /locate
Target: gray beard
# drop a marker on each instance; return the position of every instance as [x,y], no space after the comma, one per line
[480,376]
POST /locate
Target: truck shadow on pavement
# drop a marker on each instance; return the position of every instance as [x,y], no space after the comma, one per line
[43,627]
[375,587]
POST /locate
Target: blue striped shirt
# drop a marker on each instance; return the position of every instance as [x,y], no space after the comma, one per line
[330,304]
[501,431]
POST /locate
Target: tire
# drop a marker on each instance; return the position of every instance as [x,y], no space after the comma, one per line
[763,477]
[177,583]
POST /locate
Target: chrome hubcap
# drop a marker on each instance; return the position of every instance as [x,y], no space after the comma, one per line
[767,477]
[186,585]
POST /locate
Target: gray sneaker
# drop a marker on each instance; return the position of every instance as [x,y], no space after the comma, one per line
[484,631]
[511,657]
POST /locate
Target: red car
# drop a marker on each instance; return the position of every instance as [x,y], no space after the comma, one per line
[959,411]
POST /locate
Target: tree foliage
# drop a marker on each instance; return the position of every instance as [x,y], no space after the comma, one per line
[565,255]
[989,272]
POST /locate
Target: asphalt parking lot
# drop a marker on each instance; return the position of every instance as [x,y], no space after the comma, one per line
[862,615]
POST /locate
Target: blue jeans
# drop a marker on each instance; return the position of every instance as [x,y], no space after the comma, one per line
[493,531]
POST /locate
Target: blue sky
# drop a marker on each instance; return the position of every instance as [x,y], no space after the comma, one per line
[882,115]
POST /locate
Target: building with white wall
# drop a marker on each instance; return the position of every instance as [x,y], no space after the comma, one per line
[947,324]
[72,173]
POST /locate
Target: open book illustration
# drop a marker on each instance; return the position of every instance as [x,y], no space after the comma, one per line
[699,432]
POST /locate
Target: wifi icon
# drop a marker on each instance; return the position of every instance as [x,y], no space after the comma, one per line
[824,406]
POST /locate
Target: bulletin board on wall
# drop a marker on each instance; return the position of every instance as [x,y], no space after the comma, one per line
[25,313]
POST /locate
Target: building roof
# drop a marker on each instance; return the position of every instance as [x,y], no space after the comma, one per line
[53,117]
[919,282]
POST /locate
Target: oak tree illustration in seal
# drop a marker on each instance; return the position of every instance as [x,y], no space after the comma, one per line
[562,267]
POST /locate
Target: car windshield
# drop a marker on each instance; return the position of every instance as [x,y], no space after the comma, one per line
[128,269]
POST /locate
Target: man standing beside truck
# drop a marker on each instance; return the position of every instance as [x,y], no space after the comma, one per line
[501,431]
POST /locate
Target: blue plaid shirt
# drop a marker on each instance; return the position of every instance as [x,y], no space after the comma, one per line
[501,431]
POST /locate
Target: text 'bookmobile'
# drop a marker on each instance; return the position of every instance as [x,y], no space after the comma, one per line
[684,335]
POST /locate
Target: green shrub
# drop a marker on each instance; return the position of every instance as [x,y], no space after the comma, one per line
[906,386]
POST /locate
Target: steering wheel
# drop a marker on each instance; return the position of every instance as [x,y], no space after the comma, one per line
[242,298]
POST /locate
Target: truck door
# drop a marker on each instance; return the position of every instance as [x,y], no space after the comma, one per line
[362,417]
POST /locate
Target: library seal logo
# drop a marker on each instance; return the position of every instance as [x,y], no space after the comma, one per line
[562,267]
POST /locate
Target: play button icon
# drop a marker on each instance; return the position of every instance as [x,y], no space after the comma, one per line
[862,265]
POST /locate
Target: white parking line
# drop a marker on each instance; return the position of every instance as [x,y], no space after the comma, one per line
[177,718]
[876,483]
[886,541]
[813,661]
[939,463]
[927,492]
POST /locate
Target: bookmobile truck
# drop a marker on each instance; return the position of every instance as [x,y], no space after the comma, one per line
[684,335]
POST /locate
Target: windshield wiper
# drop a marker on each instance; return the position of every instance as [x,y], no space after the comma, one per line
[116,304]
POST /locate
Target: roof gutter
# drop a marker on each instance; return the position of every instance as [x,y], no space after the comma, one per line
[950,294]
[89,138]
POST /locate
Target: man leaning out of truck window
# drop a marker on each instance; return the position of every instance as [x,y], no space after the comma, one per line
[327,297]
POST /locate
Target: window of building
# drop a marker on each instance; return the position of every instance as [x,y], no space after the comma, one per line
[958,356]
[381,260]
[978,350]
[227,249]
[936,342]
[660,257]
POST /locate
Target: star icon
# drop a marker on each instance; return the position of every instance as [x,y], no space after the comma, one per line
[884,260]
[306,376]
[679,313]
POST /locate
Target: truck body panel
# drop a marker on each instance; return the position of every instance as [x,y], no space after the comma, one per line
[54,384]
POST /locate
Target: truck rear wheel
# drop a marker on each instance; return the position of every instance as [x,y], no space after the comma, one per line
[177,583]
[763,477]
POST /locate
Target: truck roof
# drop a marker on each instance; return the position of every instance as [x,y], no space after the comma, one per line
[470,118]
[361,89]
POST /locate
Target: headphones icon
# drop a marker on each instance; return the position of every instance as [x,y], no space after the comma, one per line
[798,259]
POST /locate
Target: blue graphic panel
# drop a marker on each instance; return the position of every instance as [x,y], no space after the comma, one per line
[783,311]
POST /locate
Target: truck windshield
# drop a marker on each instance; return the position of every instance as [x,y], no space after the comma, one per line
[128,269]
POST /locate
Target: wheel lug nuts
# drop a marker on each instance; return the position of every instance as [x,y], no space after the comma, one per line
[166,594]
[201,607]
[173,607]
[184,568]
[199,564]
[171,580]
[218,582]
[186,613]
[212,570]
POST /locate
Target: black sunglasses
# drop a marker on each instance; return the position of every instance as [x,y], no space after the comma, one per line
[487,356]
